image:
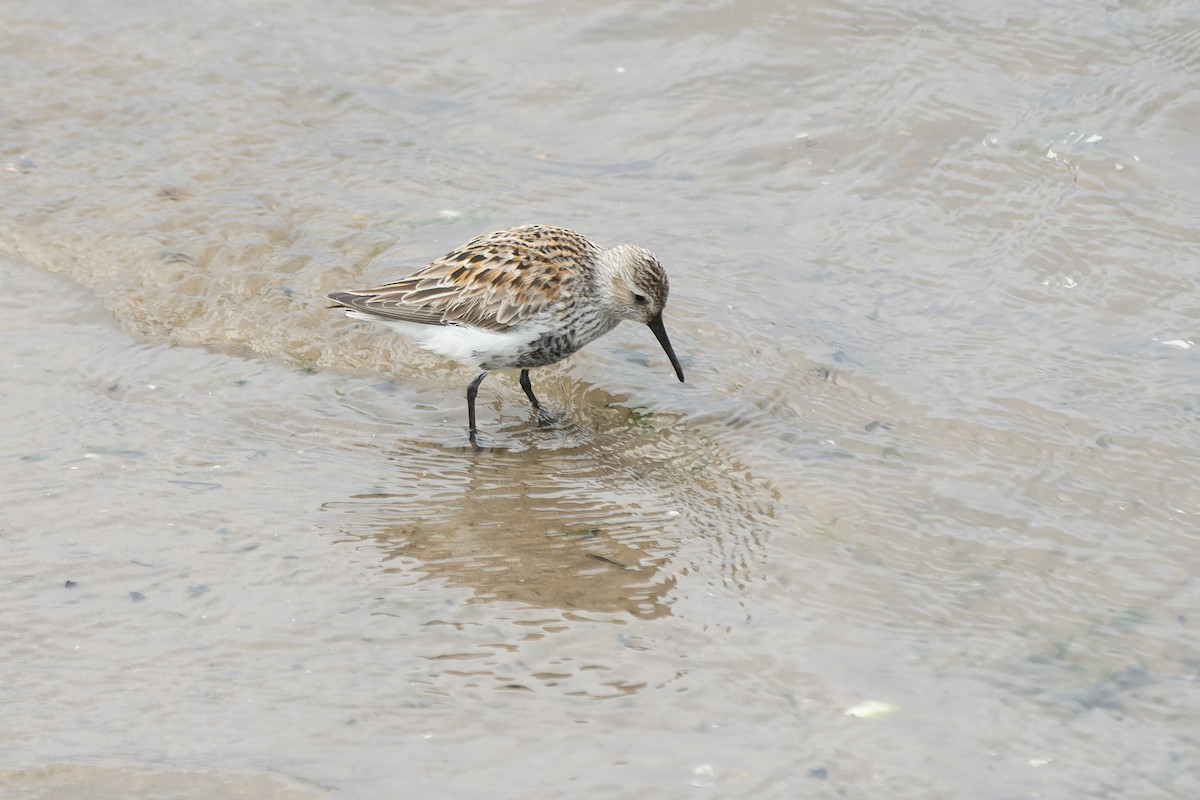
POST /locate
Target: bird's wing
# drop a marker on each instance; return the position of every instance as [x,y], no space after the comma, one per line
[493,282]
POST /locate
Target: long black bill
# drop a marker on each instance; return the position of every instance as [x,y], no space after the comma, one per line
[660,331]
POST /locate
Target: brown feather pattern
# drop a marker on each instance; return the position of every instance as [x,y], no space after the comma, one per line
[495,282]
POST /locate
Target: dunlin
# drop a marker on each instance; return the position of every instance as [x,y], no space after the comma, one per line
[519,298]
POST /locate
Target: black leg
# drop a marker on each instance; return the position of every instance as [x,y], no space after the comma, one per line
[472,390]
[544,416]
[528,387]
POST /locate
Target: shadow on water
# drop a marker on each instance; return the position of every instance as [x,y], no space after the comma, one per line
[604,513]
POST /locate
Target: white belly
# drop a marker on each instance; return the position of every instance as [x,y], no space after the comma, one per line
[469,346]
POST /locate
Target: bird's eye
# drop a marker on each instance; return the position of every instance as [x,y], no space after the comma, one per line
[640,299]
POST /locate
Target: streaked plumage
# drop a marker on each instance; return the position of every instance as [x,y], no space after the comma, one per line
[519,298]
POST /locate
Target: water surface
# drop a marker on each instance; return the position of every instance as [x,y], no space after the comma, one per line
[935,287]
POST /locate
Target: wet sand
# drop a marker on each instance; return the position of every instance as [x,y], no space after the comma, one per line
[934,286]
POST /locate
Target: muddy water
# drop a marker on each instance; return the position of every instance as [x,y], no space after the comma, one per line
[935,286]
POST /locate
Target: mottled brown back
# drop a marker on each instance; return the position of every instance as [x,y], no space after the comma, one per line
[494,282]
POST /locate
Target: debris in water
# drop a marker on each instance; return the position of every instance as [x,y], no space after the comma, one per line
[705,775]
[871,709]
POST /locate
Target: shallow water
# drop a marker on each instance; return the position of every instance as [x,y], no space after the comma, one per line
[935,275]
